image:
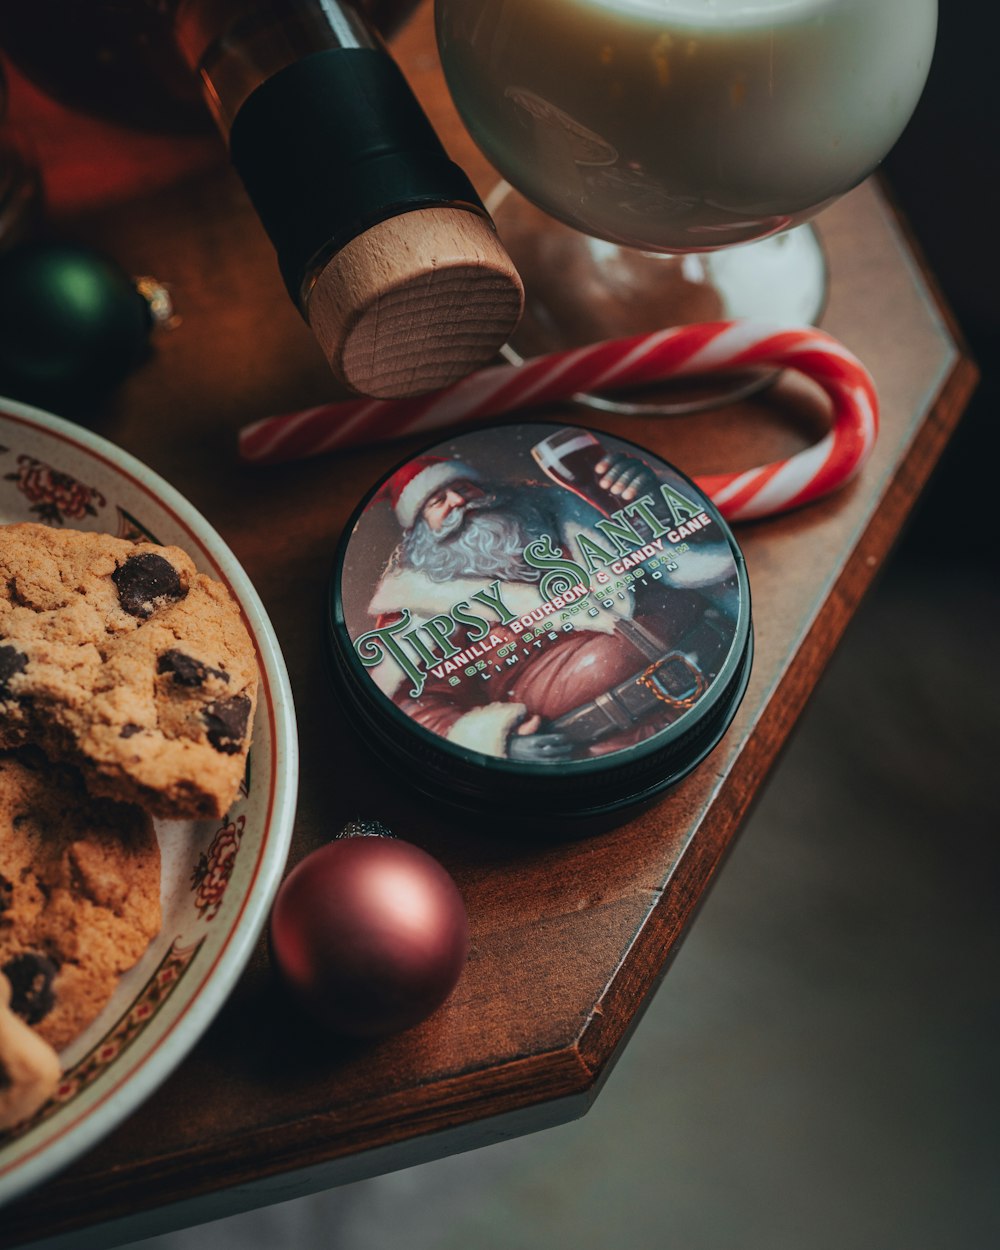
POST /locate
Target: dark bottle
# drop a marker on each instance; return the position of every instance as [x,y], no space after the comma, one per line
[382,241]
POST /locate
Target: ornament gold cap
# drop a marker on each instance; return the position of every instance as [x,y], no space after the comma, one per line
[362,828]
[158,299]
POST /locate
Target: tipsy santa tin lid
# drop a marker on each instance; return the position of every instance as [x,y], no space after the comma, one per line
[512,636]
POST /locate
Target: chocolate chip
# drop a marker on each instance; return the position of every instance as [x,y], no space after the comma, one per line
[6,893]
[5,1078]
[130,730]
[187,671]
[144,581]
[226,721]
[12,662]
[15,595]
[31,976]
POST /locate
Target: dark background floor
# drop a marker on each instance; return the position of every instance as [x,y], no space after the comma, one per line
[819,1069]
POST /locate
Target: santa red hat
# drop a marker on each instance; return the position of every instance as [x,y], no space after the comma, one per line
[412,485]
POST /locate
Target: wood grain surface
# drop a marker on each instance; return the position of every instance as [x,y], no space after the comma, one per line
[384,308]
[570,937]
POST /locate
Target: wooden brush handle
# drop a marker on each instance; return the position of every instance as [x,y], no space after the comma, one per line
[415,303]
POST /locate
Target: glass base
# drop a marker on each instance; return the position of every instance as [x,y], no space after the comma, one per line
[581,290]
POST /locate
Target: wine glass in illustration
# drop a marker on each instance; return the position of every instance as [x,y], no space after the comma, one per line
[661,157]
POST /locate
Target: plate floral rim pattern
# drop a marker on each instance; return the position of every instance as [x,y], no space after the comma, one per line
[171,1007]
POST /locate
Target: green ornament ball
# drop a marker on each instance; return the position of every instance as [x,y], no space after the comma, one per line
[72,324]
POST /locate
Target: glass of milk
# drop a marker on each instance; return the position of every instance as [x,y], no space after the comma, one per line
[698,130]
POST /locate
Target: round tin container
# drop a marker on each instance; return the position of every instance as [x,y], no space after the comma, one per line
[514,635]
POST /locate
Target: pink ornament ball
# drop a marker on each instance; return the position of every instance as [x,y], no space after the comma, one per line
[370,935]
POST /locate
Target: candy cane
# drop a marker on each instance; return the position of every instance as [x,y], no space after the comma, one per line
[686,351]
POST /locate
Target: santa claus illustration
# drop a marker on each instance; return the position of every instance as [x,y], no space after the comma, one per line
[543,686]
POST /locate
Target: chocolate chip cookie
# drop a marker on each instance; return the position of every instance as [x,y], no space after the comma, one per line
[79,894]
[123,660]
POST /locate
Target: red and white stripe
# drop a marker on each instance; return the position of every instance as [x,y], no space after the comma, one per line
[686,351]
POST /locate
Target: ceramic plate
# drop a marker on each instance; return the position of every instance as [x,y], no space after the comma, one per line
[218,877]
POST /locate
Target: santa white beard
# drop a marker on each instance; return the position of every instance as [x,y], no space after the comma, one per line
[484,538]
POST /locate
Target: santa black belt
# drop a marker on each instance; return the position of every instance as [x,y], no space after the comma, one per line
[672,681]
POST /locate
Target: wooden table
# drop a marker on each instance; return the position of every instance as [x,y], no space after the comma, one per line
[569,940]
